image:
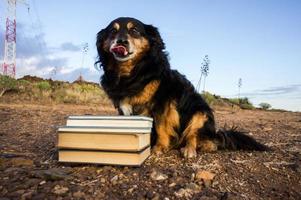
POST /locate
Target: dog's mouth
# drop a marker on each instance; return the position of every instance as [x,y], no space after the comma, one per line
[120,51]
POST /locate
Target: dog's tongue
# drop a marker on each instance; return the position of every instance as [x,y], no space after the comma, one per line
[120,50]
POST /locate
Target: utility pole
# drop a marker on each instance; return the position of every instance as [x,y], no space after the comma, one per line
[9,62]
[84,50]
[239,86]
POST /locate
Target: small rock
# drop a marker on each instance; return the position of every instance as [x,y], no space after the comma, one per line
[149,194]
[78,194]
[192,176]
[267,129]
[156,197]
[114,180]
[205,176]
[42,182]
[188,191]
[158,176]
[102,180]
[27,195]
[192,186]
[59,190]
[172,185]
[131,190]
[123,186]
[183,193]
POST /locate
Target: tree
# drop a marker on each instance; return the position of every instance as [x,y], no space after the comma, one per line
[204,72]
[7,83]
[265,106]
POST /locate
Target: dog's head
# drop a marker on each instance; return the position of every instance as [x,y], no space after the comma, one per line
[127,40]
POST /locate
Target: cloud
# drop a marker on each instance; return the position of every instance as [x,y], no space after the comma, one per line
[39,66]
[281,90]
[36,57]
[68,46]
[30,45]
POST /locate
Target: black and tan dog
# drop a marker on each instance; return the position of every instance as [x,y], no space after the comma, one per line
[138,79]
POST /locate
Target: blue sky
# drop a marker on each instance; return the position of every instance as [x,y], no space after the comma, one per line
[257,40]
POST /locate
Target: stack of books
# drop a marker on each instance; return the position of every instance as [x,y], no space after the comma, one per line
[114,140]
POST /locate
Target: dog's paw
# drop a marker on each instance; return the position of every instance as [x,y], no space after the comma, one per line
[126,109]
[158,150]
[189,152]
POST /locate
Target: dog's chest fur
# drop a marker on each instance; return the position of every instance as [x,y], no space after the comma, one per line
[141,103]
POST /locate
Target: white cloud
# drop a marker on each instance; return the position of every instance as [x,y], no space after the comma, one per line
[36,57]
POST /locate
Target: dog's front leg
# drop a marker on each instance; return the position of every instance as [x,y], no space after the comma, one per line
[126,107]
[166,124]
[163,131]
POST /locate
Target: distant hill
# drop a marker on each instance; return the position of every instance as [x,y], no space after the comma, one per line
[33,89]
[37,90]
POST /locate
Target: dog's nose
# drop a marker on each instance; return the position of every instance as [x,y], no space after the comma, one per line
[122,41]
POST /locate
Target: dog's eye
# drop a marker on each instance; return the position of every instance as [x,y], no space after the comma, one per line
[134,31]
[113,31]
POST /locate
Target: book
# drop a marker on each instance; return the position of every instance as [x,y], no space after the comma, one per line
[103,138]
[115,140]
[113,121]
[104,157]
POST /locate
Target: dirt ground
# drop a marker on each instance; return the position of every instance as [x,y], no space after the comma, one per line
[29,167]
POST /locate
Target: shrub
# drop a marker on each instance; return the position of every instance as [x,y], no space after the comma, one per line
[7,83]
[43,85]
[265,106]
[23,85]
[234,101]
[243,103]
[209,98]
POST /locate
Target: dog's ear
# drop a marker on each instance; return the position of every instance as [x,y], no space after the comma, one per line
[99,45]
[154,37]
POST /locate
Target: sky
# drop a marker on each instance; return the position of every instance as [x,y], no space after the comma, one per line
[258,41]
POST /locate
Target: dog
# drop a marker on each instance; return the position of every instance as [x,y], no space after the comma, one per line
[139,81]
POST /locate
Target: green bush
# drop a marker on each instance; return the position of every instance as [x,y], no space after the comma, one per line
[23,85]
[43,85]
[243,103]
[7,83]
[23,82]
[234,101]
[209,98]
[265,106]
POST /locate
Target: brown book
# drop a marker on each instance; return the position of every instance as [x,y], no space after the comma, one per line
[104,157]
[130,139]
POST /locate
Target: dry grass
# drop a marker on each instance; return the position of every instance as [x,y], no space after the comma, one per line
[48,91]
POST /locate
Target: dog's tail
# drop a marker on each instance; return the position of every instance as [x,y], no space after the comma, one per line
[232,139]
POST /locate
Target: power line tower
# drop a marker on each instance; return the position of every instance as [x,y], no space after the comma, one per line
[9,62]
